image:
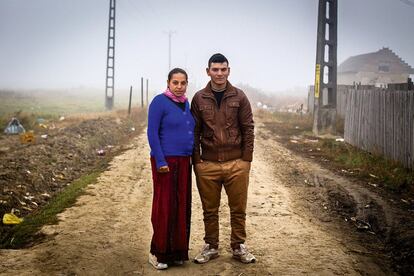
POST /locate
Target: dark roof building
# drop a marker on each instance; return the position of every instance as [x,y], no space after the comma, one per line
[379,69]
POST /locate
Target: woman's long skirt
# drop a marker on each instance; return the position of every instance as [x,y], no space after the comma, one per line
[171,210]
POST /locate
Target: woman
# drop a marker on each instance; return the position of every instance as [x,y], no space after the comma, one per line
[171,138]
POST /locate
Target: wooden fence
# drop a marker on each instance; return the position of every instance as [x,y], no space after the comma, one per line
[341,99]
[382,122]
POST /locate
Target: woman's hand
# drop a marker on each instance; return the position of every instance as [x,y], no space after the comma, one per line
[163,169]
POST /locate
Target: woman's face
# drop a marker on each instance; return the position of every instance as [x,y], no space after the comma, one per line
[178,84]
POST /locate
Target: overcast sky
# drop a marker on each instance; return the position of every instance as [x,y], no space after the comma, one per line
[271,44]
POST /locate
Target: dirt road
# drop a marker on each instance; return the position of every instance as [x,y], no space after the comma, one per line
[108,231]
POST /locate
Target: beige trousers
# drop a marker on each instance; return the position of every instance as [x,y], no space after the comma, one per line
[234,176]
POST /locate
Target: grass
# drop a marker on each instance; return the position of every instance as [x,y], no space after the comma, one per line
[294,120]
[27,120]
[343,157]
[28,106]
[373,167]
[304,121]
[24,233]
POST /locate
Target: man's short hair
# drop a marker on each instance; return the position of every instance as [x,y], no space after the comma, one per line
[217,58]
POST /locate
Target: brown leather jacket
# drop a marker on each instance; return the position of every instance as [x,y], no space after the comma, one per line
[224,133]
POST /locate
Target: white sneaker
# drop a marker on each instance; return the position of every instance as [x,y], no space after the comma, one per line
[206,254]
[178,262]
[243,255]
[153,261]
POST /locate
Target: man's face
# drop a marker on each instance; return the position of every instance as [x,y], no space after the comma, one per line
[218,72]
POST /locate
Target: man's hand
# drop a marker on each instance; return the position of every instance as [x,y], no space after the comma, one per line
[201,161]
[163,169]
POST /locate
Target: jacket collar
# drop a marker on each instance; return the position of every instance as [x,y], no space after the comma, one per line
[208,92]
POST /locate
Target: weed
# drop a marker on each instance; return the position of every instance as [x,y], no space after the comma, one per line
[364,165]
[25,232]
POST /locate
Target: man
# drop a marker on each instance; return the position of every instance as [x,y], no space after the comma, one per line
[224,130]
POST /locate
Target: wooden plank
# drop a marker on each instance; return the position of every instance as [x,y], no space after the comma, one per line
[381,122]
[407,129]
[411,123]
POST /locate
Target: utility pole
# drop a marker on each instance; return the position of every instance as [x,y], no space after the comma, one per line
[170,33]
[324,113]
[110,59]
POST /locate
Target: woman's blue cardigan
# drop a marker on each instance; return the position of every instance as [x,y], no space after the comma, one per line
[170,129]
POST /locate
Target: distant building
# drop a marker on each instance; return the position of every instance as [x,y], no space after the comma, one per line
[378,69]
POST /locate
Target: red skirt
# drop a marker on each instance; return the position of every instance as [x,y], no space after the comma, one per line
[171,210]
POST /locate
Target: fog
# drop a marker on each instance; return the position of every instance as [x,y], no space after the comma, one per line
[271,45]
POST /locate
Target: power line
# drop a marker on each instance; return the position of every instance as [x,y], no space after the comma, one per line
[408,2]
[135,8]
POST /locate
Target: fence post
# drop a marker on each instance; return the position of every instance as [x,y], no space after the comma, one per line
[147,92]
[130,99]
[142,92]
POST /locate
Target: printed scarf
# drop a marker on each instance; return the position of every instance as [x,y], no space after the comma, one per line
[173,97]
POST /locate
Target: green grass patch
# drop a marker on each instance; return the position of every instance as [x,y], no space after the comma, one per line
[25,233]
[372,167]
[340,156]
